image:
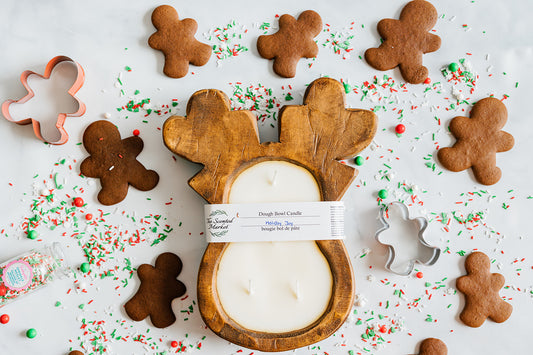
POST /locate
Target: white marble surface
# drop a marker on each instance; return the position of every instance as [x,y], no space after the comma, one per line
[97,33]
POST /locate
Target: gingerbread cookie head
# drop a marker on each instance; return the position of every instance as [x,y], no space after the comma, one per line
[481,288]
[158,288]
[293,41]
[313,138]
[175,38]
[433,346]
[114,161]
[479,138]
[405,41]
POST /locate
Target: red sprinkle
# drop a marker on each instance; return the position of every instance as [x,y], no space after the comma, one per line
[427,81]
[419,275]
[3,290]
[383,329]
[174,344]
[136,132]
[400,128]
[78,202]
[4,319]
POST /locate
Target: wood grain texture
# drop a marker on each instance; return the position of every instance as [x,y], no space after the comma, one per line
[314,135]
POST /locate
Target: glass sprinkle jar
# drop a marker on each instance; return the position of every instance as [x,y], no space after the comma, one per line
[31,271]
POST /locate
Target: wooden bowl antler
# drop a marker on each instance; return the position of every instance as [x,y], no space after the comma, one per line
[315,136]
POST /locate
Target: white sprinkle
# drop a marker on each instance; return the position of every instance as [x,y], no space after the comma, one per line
[107,115]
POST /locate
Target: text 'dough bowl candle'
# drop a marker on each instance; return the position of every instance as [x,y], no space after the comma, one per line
[272,295]
[274,286]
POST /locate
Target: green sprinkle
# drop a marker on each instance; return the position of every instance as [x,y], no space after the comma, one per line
[383,194]
[31,333]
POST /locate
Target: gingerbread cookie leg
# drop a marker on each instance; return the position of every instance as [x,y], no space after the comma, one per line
[113,189]
[413,73]
[380,59]
[486,171]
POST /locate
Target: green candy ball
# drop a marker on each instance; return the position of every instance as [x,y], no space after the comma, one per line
[453,67]
[32,234]
[359,160]
[31,333]
[383,194]
[85,267]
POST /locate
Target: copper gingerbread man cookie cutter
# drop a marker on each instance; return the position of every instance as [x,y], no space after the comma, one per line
[78,83]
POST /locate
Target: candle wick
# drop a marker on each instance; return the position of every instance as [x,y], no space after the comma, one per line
[273,180]
[250,287]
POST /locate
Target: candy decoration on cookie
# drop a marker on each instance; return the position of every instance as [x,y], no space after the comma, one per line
[158,288]
[294,40]
[481,288]
[313,138]
[175,38]
[405,41]
[433,346]
[479,138]
[114,161]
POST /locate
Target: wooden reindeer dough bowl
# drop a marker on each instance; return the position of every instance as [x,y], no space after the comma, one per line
[314,136]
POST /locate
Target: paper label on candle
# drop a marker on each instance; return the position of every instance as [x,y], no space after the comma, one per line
[261,222]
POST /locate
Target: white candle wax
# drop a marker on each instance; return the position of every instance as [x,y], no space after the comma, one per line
[274,286]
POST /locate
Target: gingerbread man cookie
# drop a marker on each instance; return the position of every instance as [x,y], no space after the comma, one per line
[114,161]
[433,346]
[158,288]
[481,288]
[479,138]
[293,41]
[175,38]
[405,41]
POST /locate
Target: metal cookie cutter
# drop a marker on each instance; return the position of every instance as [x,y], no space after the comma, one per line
[80,78]
[422,225]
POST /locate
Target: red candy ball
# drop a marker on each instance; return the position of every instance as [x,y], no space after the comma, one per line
[383,329]
[400,128]
[4,319]
[3,290]
[174,344]
[419,275]
[88,216]
[136,132]
[427,81]
[78,202]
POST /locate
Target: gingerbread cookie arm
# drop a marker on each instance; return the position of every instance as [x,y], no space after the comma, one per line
[504,142]
[133,145]
[497,281]
[431,44]
[452,159]
[388,27]
[92,167]
[460,127]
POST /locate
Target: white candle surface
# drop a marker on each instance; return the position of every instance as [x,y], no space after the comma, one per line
[274,287]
